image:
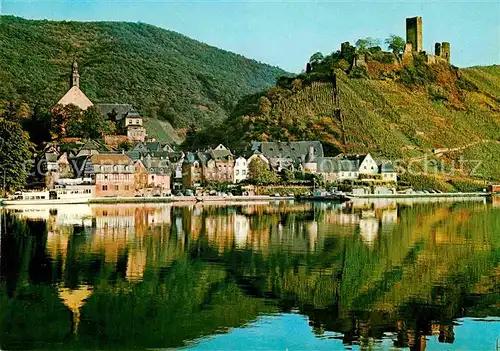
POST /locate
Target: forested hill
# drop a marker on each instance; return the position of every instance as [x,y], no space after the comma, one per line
[162,73]
[430,112]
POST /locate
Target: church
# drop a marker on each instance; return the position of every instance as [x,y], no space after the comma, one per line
[127,119]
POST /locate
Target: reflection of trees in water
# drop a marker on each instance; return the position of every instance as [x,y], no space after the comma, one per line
[200,271]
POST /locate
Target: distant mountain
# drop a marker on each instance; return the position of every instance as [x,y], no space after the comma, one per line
[162,73]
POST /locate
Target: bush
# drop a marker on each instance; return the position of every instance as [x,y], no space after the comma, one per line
[358,72]
[384,57]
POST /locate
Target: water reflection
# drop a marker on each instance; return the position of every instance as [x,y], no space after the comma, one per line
[122,276]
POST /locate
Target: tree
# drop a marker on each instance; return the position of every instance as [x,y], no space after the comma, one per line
[89,124]
[316,59]
[396,44]
[125,145]
[260,174]
[39,125]
[66,120]
[265,106]
[94,124]
[10,112]
[287,176]
[363,44]
[14,154]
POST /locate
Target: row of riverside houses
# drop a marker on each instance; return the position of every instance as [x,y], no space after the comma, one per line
[144,170]
[220,165]
[152,168]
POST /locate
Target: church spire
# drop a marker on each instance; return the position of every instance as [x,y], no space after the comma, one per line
[75,75]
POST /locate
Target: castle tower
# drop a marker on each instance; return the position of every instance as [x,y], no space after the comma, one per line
[445,51]
[75,81]
[437,49]
[414,33]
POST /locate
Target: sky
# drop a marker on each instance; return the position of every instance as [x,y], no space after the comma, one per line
[286,33]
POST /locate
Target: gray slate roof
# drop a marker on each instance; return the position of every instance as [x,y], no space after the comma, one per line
[117,111]
[335,165]
[298,151]
[387,168]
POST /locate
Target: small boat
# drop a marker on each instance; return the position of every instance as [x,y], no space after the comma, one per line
[61,194]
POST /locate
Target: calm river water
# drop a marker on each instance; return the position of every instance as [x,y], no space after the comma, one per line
[273,275]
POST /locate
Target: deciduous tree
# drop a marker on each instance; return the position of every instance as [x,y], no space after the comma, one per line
[260,174]
[15,154]
[396,44]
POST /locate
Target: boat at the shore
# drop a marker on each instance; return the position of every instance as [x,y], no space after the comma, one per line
[71,194]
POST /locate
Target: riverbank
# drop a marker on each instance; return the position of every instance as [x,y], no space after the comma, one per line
[413,196]
[167,199]
[235,199]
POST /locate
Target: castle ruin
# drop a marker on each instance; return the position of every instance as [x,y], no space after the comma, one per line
[414,44]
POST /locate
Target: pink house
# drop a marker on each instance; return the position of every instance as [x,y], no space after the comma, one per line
[159,180]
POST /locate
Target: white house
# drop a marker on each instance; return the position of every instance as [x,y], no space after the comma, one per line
[240,169]
[354,167]
[367,164]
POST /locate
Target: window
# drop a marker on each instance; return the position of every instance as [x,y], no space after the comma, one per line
[237,172]
[243,172]
[104,188]
[127,187]
[117,187]
[105,177]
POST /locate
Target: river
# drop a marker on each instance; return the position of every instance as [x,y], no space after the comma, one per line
[368,274]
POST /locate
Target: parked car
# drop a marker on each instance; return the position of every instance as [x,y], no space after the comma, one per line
[178,193]
[276,195]
[188,192]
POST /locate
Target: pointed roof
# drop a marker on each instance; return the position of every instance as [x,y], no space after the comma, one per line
[76,97]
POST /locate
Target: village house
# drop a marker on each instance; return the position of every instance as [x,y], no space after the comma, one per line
[158,169]
[140,177]
[291,155]
[388,172]
[354,167]
[219,165]
[240,169]
[192,170]
[114,175]
[127,120]
[156,159]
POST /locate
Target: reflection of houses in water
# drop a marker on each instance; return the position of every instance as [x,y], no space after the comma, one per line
[219,230]
[241,229]
[445,333]
[74,299]
[368,230]
[111,230]
[312,234]
[389,216]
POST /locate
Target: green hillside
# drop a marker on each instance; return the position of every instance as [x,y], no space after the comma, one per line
[162,73]
[455,110]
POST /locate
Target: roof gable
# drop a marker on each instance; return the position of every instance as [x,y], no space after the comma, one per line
[75,96]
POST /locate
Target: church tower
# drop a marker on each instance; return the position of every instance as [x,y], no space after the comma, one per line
[74,95]
[75,81]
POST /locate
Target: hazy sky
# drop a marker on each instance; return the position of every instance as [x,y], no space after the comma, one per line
[286,33]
